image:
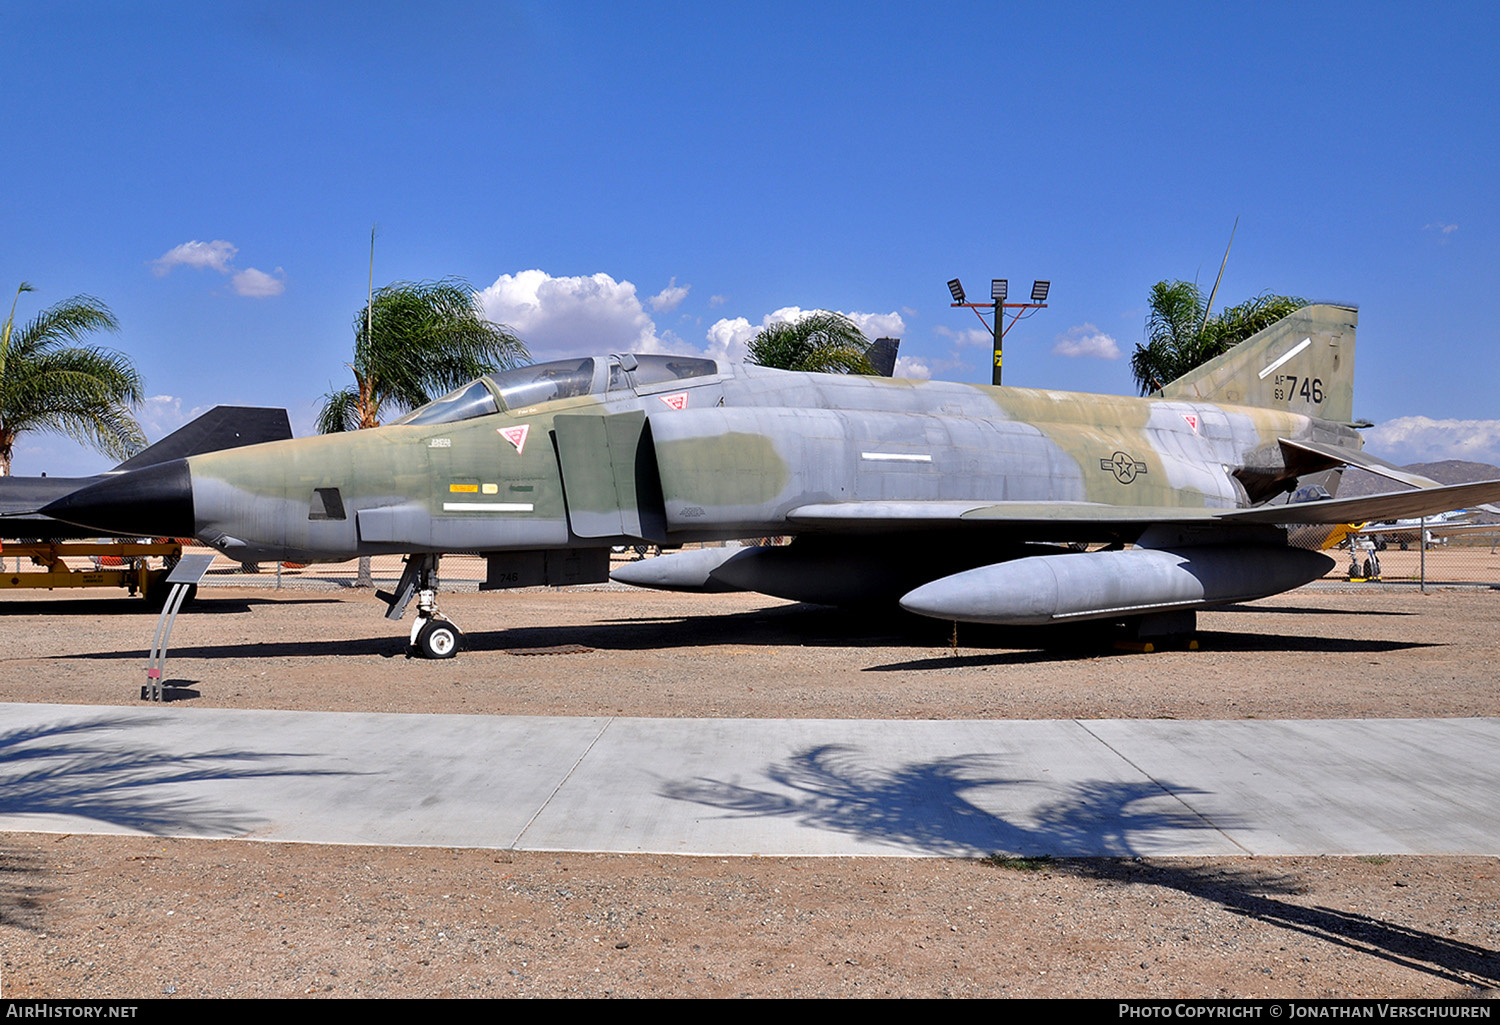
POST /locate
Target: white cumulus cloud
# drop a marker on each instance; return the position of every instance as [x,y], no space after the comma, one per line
[968,336]
[1420,439]
[216,255]
[669,298]
[1442,230]
[913,367]
[258,284]
[1086,340]
[879,325]
[568,316]
[729,339]
[573,316]
[160,415]
[219,255]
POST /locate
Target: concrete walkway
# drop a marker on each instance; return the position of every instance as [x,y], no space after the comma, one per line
[757,786]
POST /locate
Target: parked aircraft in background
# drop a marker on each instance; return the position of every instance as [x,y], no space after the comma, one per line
[1407,532]
[958,501]
[223,427]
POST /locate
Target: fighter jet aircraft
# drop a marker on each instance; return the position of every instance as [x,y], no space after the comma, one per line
[958,501]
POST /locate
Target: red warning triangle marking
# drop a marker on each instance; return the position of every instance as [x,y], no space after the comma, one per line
[515,435]
[1192,421]
[675,401]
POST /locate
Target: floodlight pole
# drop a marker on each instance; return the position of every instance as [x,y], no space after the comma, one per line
[998,305]
[999,319]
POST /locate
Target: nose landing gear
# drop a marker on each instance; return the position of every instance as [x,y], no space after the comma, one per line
[433,635]
[436,638]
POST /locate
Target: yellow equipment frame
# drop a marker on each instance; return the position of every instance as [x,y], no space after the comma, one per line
[135,575]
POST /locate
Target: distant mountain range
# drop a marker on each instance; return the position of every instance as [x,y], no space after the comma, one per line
[1358,482]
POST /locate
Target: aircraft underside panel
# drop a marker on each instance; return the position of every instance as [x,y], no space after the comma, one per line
[413,528]
[555,567]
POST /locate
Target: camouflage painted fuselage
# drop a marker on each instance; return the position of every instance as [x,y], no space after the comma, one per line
[736,454]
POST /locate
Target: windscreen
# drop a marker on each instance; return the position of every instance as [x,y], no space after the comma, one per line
[544,382]
[524,386]
[658,368]
[473,399]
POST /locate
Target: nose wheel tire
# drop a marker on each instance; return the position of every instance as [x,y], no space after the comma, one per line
[439,639]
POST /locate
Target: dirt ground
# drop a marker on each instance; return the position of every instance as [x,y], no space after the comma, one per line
[141,917]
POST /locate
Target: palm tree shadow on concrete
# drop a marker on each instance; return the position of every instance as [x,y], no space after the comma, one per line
[75,769]
[1093,829]
[926,807]
[72,769]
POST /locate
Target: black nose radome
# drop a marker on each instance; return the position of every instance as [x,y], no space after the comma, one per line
[156,501]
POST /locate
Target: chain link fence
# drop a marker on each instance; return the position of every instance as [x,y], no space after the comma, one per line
[1467,558]
[1421,557]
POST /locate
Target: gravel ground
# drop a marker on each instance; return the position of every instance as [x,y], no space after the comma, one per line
[136,917]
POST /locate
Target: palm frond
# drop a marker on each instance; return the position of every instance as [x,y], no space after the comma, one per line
[1179,338]
[109,429]
[71,320]
[821,342]
[428,337]
[339,412]
[50,382]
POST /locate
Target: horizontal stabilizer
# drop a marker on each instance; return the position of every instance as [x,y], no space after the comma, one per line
[1388,506]
[1338,456]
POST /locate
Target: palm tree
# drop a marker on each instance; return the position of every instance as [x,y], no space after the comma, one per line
[822,342]
[1181,336]
[51,382]
[414,341]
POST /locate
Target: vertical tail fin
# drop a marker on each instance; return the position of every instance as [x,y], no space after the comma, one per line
[882,355]
[220,428]
[1303,363]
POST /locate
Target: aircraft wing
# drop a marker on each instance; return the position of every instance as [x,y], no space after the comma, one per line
[1053,519]
[1065,520]
[1451,529]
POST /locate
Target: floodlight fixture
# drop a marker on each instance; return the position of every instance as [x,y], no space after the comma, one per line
[998,326]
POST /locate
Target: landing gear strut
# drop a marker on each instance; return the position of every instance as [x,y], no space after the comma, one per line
[432,635]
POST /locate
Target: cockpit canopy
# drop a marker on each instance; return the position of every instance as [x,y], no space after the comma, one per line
[558,379]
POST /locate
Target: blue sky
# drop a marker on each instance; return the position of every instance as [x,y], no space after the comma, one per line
[671,175]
